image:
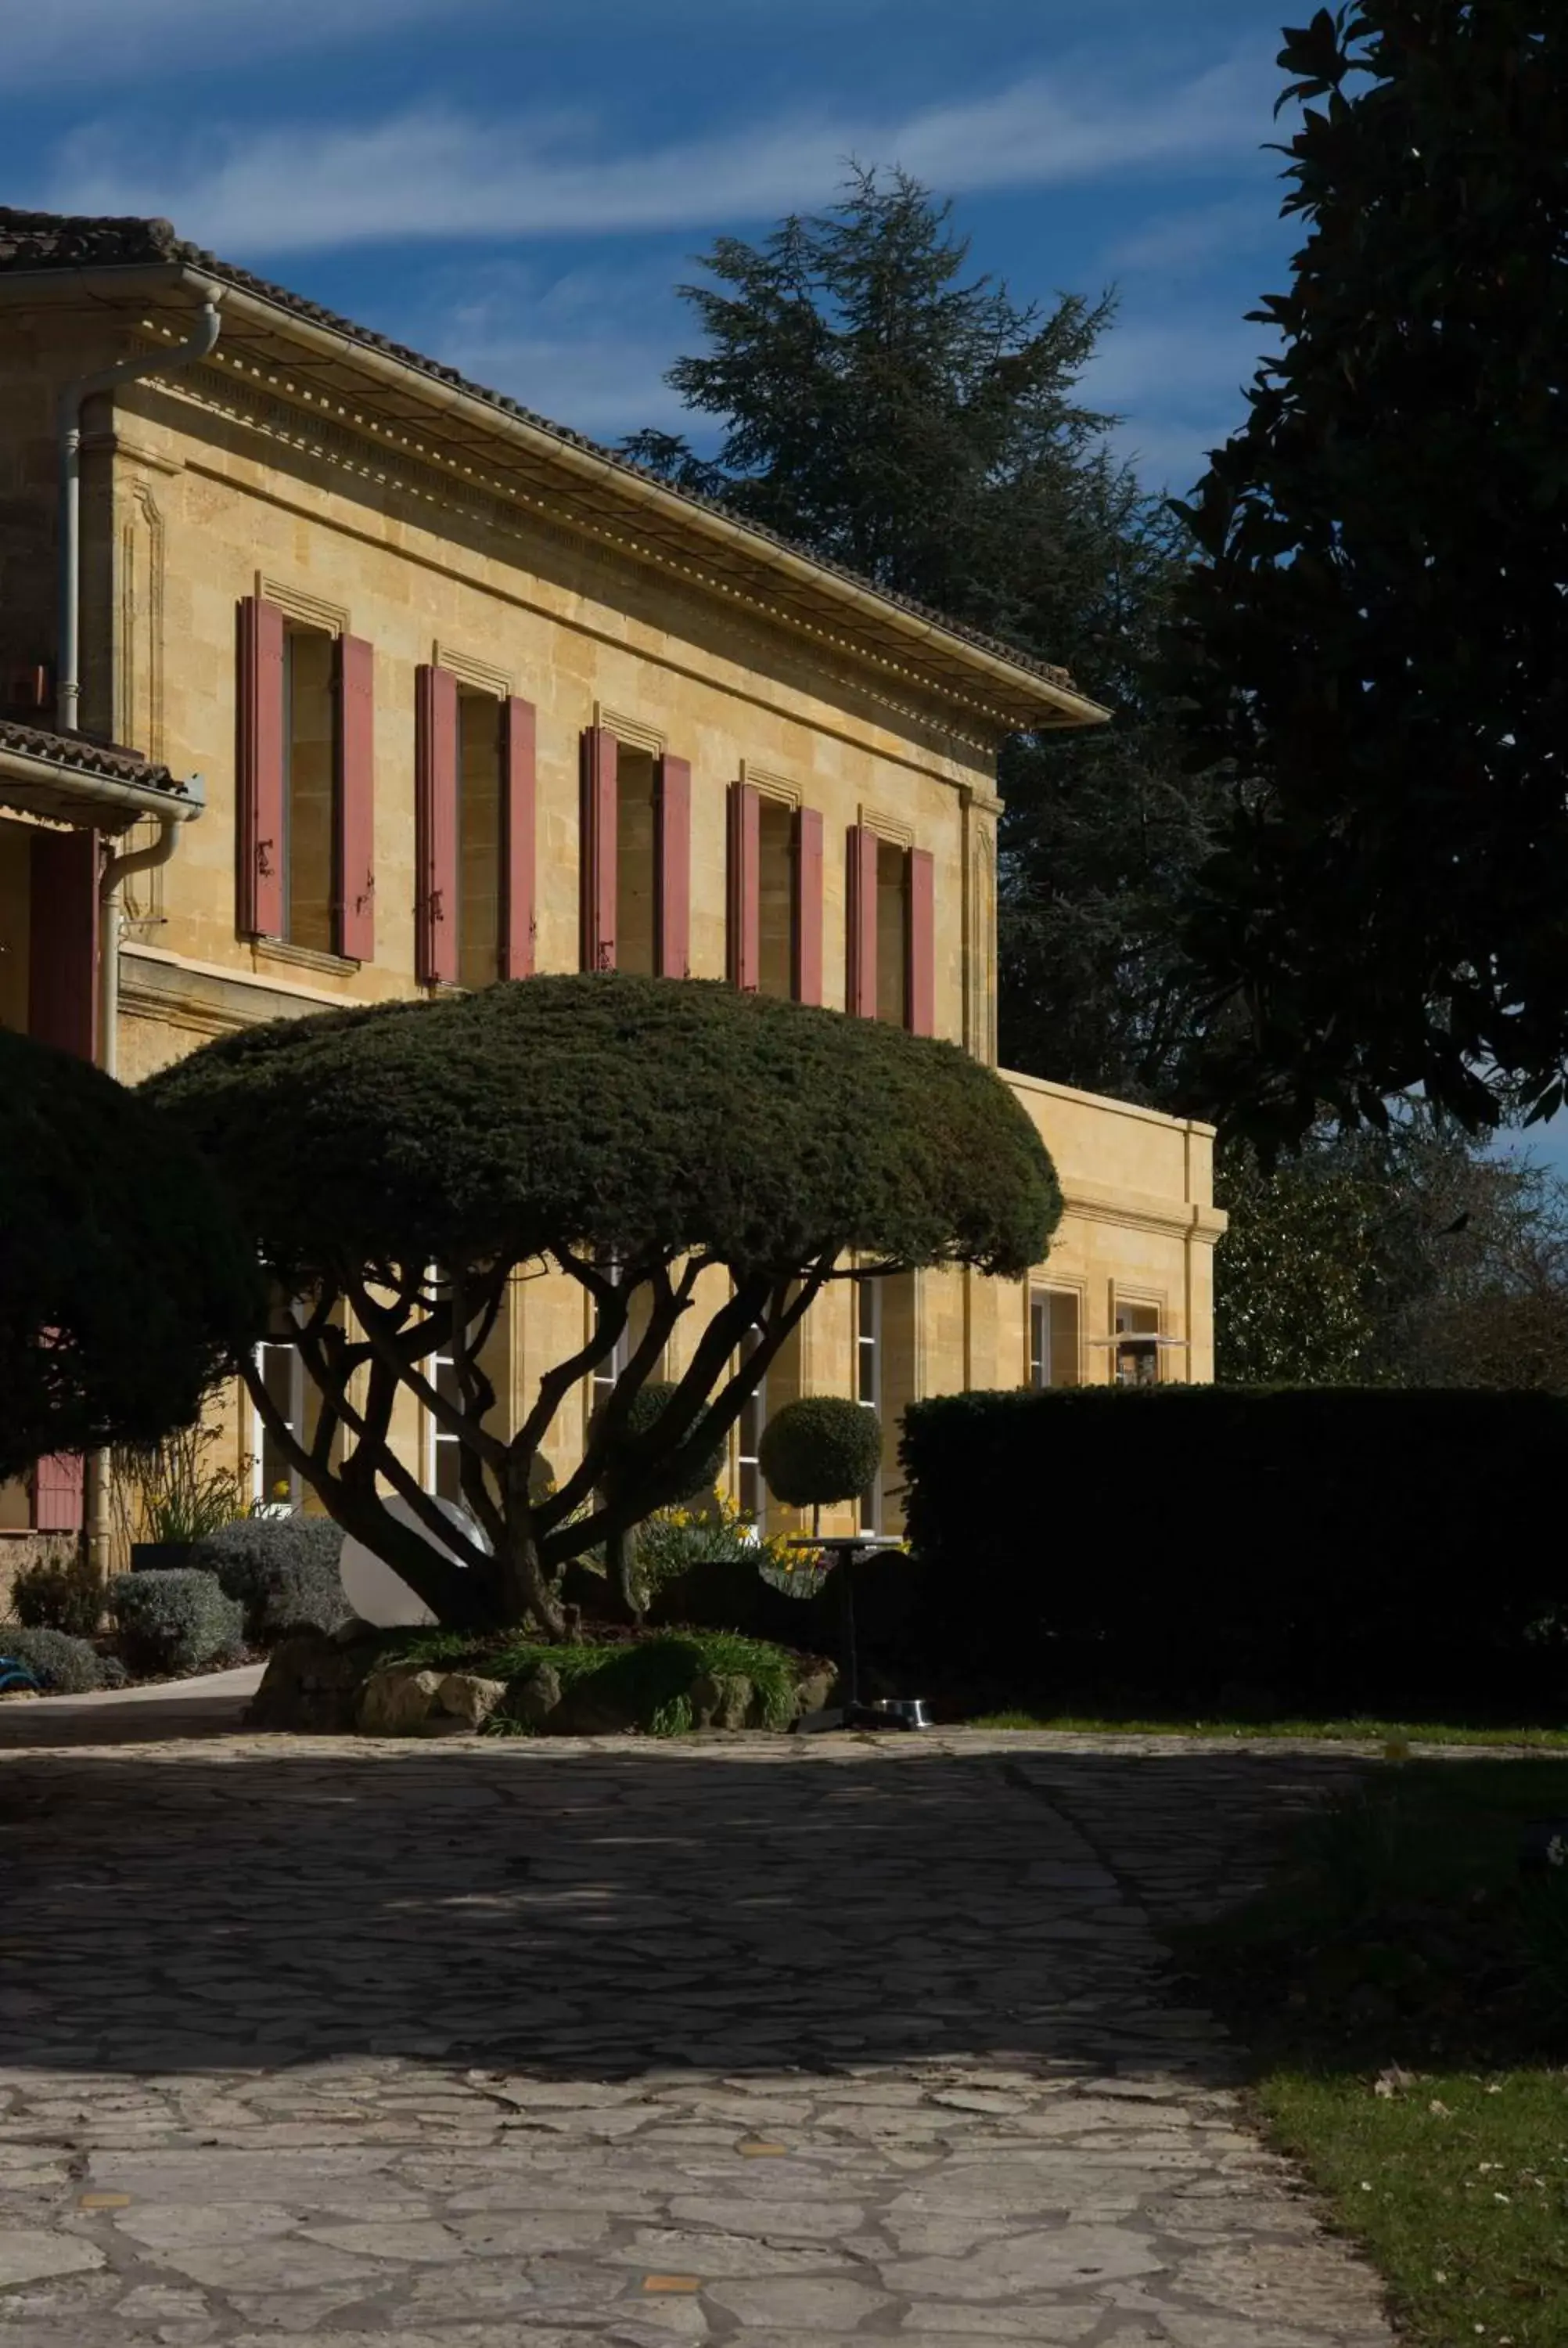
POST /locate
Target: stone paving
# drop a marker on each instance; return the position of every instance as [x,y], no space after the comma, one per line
[778,2042]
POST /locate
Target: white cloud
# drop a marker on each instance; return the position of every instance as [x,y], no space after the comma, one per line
[439,173]
[1182,244]
[1177,385]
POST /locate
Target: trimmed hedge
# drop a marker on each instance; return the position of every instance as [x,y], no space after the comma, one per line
[175,1622]
[283,1570]
[1384,1551]
[61,1664]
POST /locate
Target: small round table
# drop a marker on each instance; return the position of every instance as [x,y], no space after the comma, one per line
[846,1548]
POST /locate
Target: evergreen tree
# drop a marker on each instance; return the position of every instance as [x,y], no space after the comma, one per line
[886,410]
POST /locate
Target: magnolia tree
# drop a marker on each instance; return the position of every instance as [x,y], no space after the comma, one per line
[125,1284]
[640,1135]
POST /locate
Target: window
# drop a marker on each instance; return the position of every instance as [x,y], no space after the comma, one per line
[1053,1337]
[1137,1354]
[776,897]
[868,1383]
[274,1482]
[752,1492]
[444,1460]
[636,861]
[480,800]
[892,933]
[311,784]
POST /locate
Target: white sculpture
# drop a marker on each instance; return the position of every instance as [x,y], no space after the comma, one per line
[376,1593]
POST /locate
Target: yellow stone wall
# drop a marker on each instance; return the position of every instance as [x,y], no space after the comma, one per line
[205,489]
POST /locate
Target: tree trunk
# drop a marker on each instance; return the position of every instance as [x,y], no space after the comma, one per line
[620,1559]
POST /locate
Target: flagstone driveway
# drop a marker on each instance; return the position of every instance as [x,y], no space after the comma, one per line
[778,2042]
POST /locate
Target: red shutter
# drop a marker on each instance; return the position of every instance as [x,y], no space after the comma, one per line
[261,764]
[63,952]
[674,877]
[860,991]
[598,847]
[518,731]
[745,883]
[58,1486]
[435,825]
[922,936]
[356,799]
[808,905]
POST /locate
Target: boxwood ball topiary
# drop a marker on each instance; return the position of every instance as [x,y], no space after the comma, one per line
[820,1449]
[647,1407]
[125,1286]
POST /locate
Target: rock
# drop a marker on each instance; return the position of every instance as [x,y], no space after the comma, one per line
[395,1702]
[311,1687]
[470,1699]
[816,1693]
[533,1698]
[722,1700]
[349,1634]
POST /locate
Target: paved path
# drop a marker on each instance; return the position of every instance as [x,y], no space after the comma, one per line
[777,2042]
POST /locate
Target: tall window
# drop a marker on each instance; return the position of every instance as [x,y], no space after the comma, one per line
[444,1460]
[752,1492]
[311,784]
[868,1383]
[893,933]
[273,1481]
[636,861]
[1053,1337]
[1137,1354]
[479,836]
[776,897]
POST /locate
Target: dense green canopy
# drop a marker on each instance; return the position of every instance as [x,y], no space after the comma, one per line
[618,1115]
[634,1134]
[125,1286]
[820,1449]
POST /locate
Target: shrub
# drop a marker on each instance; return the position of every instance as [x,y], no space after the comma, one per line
[1383,1552]
[60,1593]
[283,1570]
[175,1622]
[181,1492]
[819,1449]
[61,1664]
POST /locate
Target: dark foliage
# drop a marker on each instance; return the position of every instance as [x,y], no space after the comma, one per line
[886,410]
[174,1623]
[125,1288]
[1385,1553]
[1376,637]
[631,1133]
[818,1449]
[61,1664]
[648,1406]
[60,1594]
[283,1570]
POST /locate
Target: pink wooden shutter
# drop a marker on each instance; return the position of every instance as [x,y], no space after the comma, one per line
[597,848]
[63,953]
[808,905]
[745,882]
[260,874]
[675,875]
[922,936]
[57,1486]
[435,825]
[518,736]
[860,993]
[356,799]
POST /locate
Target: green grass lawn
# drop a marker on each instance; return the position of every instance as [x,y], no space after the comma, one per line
[1404,1987]
[1366,1732]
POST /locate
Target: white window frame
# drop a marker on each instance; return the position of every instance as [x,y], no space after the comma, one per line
[259,1495]
[1140,1343]
[754,1409]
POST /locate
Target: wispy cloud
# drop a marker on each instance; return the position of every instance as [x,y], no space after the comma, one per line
[1177,385]
[1185,244]
[441,173]
[100,40]
[590,344]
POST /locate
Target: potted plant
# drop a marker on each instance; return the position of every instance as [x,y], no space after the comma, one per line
[181,1496]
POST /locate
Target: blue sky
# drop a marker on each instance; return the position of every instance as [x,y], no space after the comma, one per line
[517,185]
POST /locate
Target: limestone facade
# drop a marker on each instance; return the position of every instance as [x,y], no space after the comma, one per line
[389,525]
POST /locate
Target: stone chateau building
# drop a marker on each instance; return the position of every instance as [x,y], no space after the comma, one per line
[409,689]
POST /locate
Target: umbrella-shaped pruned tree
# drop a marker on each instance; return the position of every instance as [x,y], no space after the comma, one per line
[125,1284]
[641,1136]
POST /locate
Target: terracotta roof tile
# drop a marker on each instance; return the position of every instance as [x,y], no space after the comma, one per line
[61,241]
[87,757]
